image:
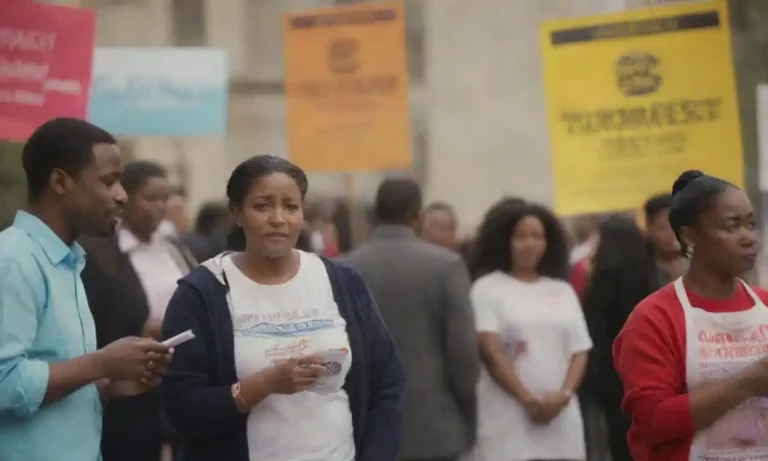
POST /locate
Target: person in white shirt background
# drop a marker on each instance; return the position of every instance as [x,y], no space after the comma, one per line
[176,222]
[533,339]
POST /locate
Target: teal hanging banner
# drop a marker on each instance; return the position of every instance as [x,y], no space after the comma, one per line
[160,91]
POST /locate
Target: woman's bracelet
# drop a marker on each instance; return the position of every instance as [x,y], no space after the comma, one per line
[240,402]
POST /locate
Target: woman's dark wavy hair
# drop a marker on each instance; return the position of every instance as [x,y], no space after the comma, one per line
[243,178]
[621,246]
[623,262]
[622,274]
[492,247]
[470,250]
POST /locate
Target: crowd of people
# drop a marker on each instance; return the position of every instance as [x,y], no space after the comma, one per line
[416,345]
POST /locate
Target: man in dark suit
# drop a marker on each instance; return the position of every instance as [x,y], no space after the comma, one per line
[422,291]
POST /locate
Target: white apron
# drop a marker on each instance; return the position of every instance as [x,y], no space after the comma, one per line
[719,345]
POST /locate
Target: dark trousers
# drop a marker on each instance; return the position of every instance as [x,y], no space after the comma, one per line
[151,453]
[449,458]
[594,433]
[133,429]
[618,427]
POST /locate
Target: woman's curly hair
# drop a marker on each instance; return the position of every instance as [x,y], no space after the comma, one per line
[492,247]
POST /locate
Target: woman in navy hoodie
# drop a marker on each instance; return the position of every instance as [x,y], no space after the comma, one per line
[291,360]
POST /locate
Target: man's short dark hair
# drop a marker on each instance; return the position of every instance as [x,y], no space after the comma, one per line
[656,205]
[398,201]
[136,174]
[61,143]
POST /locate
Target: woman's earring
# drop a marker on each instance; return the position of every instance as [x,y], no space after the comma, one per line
[690,251]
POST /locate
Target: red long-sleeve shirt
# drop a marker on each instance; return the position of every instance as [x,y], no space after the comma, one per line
[580,277]
[649,355]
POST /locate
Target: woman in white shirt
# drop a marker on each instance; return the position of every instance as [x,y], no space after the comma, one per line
[291,360]
[533,339]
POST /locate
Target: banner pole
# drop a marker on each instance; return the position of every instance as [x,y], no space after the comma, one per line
[350,199]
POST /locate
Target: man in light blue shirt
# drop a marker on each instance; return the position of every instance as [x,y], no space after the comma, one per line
[53,380]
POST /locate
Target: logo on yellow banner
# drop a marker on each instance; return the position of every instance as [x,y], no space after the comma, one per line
[637,74]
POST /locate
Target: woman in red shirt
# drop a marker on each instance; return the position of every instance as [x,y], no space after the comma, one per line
[692,356]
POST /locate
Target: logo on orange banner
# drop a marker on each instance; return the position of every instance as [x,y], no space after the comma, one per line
[347,88]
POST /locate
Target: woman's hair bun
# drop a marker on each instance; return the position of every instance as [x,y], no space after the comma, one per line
[684,179]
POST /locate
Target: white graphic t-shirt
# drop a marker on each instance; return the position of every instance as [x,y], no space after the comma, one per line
[277,322]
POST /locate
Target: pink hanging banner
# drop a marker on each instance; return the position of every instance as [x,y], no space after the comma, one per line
[45,64]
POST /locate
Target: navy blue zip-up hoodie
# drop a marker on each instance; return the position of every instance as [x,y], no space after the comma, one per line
[197,396]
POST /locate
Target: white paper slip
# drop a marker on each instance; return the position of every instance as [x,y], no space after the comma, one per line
[333,356]
[333,374]
[181,338]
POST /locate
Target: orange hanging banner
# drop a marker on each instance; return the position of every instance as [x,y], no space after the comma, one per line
[347,88]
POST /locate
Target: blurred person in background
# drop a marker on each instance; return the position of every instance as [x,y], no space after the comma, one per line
[693,356]
[533,339]
[585,234]
[423,293]
[210,235]
[176,223]
[291,360]
[579,275]
[330,236]
[666,249]
[623,274]
[129,279]
[438,225]
[304,242]
[465,249]
[342,225]
[323,238]
[323,233]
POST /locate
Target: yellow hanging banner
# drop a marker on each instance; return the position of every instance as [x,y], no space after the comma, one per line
[634,99]
[347,88]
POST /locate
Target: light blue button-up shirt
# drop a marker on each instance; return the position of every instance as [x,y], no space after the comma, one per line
[44,317]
